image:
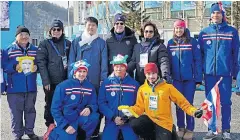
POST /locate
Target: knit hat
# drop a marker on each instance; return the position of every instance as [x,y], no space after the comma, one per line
[180,23]
[119,17]
[20,29]
[57,23]
[218,7]
[150,67]
[82,64]
[119,60]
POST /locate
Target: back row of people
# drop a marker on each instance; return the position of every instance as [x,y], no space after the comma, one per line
[216,52]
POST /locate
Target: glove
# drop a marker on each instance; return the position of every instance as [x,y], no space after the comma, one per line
[198,113]
[125,119]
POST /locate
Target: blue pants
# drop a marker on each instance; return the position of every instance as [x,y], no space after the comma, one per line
[19,104]
[187,88]
[225,87]
[111,131]
[87,123]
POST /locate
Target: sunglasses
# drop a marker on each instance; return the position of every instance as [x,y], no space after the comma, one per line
[146,31]
[56,29]
[121,23]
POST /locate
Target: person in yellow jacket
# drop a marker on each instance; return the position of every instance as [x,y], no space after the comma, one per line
[153,106]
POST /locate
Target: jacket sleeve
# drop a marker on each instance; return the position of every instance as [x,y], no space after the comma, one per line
[181,101]
[102,103]
[56,107]
[104,62]
[132,64]
[163,60]
[93,101]
[72,57]
[138,108]
[10,66]
[235,52]
[42,63]
[197,58]
[170,58]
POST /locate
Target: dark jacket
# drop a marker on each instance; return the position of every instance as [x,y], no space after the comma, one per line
[157,53]
[124,47]
[50,64]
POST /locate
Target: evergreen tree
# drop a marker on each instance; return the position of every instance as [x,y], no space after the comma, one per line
[134,15]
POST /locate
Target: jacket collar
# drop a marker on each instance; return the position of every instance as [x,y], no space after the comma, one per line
[219,26]
[157,83]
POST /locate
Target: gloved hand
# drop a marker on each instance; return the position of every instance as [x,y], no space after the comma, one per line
[125,119]
[198,113]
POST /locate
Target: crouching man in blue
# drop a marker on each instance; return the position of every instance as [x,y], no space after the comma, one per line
[118,89]
[74,105]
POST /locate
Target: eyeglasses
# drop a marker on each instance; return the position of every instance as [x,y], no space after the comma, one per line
[117,23]
[146,31]
[56,29]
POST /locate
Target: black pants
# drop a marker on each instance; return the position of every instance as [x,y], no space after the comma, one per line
[147,129]
[48,102]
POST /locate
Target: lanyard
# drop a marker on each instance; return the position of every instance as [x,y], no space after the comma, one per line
[144,50]
[24,51]
[55,48]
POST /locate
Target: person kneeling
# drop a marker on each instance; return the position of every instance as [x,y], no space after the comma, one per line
[153,105]
[74,105]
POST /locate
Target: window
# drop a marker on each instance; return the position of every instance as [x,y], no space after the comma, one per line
[189,13]
[207,12]
[176,14]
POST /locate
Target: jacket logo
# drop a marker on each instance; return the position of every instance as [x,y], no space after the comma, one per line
[128,42]
[113,93]
[173,53]
[73,97]
[209,42]
[198,46]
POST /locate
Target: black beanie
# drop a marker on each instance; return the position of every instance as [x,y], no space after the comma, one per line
[22,29]
[57,23]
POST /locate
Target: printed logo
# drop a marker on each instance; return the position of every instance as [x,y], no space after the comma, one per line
[209,42]
[173,53]
[198,46]
[73,97]
[113,93]
[128,42]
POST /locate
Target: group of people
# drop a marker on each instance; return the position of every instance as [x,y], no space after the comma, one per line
[89,78]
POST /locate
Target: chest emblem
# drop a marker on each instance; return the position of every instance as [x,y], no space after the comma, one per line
[73,97]
[209,42]
[128,42]
[173,53]
[113,93]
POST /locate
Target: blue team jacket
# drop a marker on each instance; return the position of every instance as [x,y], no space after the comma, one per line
[219,46]
[115,92]
[185,60]
[18,82]
[70,98]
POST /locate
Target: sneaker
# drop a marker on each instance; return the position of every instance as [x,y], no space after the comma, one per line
[210,135]
[188,135]
[181,132]
[226,135]
[49,130]
[33,137]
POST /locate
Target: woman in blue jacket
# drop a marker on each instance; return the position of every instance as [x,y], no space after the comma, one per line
[186,69]
[74,105]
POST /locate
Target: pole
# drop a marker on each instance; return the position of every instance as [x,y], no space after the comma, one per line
[231,13]
[68,14]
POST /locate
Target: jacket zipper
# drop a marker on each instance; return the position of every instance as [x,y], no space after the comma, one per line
[120,96]
[216,51]
[179,62]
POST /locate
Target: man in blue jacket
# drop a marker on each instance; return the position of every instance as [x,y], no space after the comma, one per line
[22,86]
[74,105]
[118,89]
[220,46]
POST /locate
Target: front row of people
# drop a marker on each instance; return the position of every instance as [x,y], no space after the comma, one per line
[74,105]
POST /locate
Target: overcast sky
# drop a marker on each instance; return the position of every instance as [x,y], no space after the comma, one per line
[63,3]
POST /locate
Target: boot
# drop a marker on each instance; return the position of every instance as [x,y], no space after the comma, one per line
[181,132]
[188,135]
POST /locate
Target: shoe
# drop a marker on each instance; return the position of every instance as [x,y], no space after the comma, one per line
[210,135]
[188,135]
[181,132]
[49,130]
[226,135]
[33,137]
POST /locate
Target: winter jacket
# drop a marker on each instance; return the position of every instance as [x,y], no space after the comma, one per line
[18,82]
[157,53]
[185,60]
[166,94]
[70,98]
[50,63]
[3,63]
[123,47]
[115,92]
[95,54]
[219,45]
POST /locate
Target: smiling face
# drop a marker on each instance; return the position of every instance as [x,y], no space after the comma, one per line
[216,17]
[119,70]
[23,38]
[151,77]
[27,65]
[81,74]
[179,31]
[56,32]
[91,27]
[119,26]
[148,32]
